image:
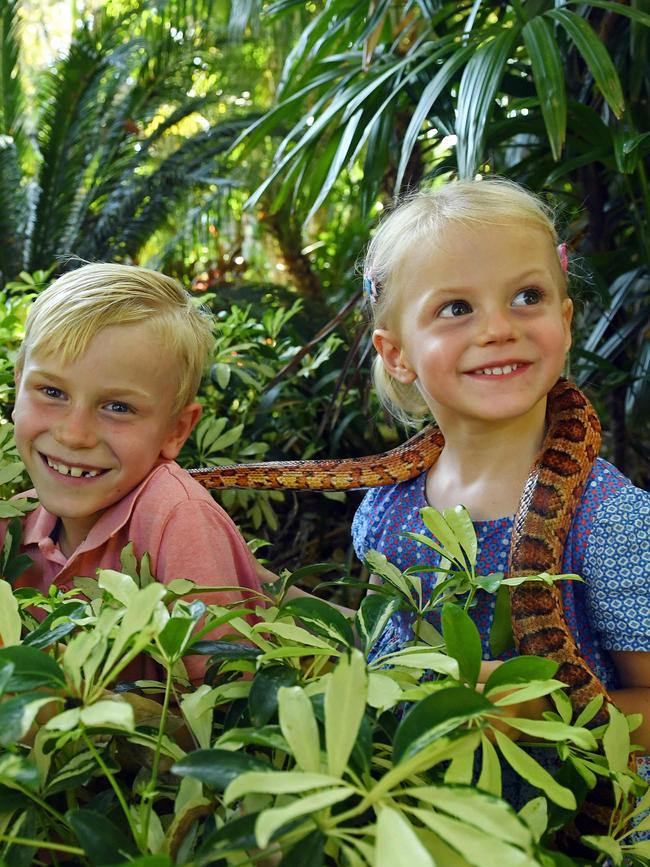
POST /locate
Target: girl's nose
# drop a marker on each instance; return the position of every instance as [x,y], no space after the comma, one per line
[76,430]
[497,326]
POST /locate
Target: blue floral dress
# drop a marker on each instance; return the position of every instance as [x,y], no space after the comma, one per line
[608,546]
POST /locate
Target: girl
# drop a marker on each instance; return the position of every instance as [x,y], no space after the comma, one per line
[468,293]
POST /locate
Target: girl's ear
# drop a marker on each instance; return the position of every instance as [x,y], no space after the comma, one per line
[179,430]
[391,353]
[567,316]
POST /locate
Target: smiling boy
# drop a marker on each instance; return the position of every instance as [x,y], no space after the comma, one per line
[106,381]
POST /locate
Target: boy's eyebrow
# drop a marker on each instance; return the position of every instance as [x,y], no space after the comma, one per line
[108,391]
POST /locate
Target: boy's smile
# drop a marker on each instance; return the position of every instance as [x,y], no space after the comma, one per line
[90,431]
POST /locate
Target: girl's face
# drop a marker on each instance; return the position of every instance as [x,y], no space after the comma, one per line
[482,323]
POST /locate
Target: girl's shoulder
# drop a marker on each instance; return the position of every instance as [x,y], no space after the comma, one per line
[386,511]
[607,488]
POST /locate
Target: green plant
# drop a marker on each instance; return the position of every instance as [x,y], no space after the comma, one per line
[296,742]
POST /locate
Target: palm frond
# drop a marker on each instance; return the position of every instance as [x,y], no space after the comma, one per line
[12,213]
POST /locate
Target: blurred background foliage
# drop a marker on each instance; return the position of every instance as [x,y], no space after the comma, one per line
[249,147]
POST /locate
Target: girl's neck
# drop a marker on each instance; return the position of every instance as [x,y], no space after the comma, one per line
[485,467]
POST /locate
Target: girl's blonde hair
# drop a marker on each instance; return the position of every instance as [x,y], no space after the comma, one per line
[65,317]
[423,218]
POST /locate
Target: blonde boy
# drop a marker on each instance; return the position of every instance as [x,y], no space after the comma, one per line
[105,398]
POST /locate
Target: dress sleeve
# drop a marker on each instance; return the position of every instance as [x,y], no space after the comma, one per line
[617,571]
[364,523]
[200,542]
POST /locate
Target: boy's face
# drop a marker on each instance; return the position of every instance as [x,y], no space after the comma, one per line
[90,431]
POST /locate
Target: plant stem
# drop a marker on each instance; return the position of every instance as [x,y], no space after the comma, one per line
[113,783]
[41,844]
[151,787]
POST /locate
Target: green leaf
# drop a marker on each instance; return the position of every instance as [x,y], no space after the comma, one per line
[397,844]
[463,641]
[530,770]
[217,768]
[308,852]
[460,524]
[595,56]
[299,727]
[345,705]
[18,713]
[475,846]
[501,637]
[111,713]
[490,777]
[58,623]
[608,845]
[437,525]
[478,809]
[430,94]
[372,616]
[616,740]
[322,617]
[102,840]
[548,75]
[553,731]
[277,783]
[378,565]
[521,670]
[436,716]
[32,668]
[10,623]
[476,97]
[269,821]
[263,695]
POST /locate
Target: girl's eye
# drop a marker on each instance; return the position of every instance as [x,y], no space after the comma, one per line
[527,297]
[117,407]
[455,308]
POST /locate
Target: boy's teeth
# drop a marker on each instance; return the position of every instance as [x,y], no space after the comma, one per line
[75,472]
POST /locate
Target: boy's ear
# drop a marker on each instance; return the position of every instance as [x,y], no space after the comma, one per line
[179,430]
[390,350]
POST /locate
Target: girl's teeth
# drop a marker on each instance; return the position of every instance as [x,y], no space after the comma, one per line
[499,371]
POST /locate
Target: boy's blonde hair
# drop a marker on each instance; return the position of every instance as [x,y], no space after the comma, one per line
[75,308]
[423,218]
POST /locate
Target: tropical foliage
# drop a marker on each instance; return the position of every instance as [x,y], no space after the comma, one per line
[297,744]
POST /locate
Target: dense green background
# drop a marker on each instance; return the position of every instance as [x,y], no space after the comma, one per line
[249,148]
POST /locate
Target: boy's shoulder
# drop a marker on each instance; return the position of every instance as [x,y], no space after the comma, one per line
[171,484]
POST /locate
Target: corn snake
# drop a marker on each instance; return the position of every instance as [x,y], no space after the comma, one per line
[551,495]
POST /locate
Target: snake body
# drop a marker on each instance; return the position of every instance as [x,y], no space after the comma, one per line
[551,495]
[547,506]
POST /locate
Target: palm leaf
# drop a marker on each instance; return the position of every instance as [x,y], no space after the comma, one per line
[548,74]
[13,212]
[476,95]
[595,55]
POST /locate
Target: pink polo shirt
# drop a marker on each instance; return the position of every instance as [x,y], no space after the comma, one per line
[170,516]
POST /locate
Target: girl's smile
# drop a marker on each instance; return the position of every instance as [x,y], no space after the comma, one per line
[482,324]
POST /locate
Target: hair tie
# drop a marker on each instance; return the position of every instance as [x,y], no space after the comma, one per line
[370,287]
[562,253]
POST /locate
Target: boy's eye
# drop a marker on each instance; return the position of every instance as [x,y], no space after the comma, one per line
[527,297]
[117,406]
[455,308]
[51,391]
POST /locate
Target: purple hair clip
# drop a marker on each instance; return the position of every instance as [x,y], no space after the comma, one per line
[370,287]
[562,253]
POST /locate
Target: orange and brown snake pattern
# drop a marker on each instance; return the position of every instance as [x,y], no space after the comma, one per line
[546,509]
[551,495]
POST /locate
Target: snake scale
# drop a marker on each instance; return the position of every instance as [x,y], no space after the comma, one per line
[548,503]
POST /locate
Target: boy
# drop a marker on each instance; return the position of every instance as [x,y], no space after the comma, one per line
[106,380]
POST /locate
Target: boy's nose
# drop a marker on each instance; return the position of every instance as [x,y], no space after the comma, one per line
[76,430]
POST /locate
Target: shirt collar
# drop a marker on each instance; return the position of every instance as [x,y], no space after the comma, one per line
[39,524]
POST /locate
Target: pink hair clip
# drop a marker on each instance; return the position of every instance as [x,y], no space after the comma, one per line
[562,253]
